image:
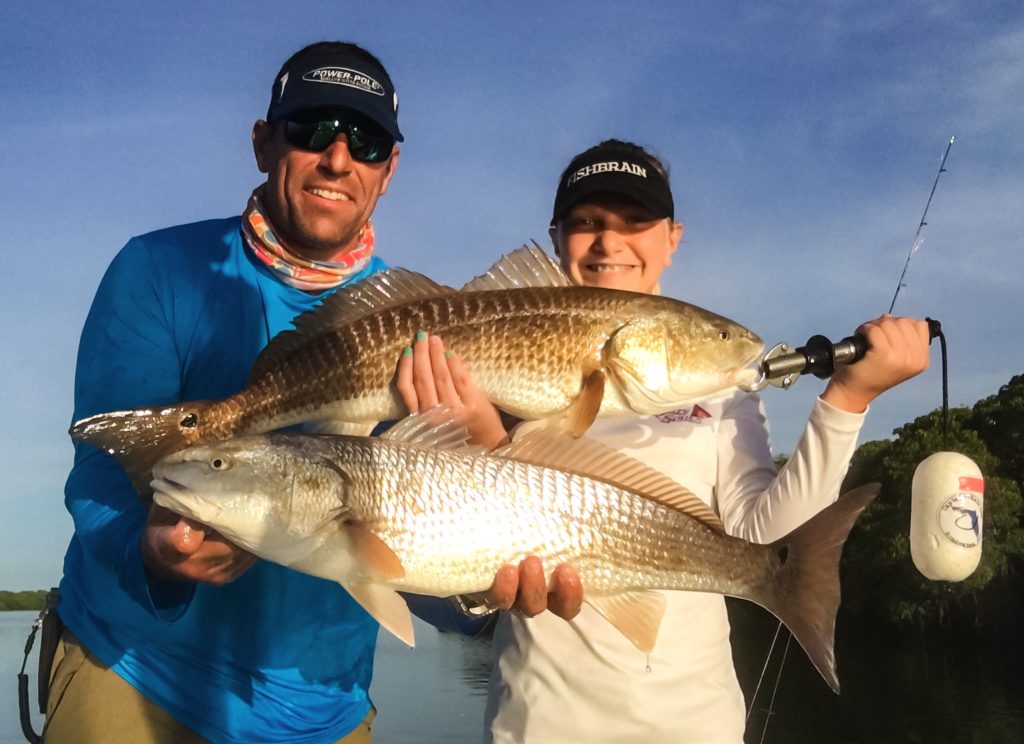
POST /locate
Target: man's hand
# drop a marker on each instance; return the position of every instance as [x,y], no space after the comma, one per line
[428,375]
[178,549]
[523,589]
[897,350]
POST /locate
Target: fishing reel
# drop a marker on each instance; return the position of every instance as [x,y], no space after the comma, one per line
[782,365]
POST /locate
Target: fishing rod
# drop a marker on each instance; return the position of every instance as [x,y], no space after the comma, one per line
[935,479]
[781,366]
[917,237]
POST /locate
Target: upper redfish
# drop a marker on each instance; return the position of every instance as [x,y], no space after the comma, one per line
[538,347]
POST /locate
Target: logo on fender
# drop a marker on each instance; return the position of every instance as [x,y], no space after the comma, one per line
[960,519]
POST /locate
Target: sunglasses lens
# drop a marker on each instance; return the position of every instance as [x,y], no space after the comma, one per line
[367,142]
[311,135]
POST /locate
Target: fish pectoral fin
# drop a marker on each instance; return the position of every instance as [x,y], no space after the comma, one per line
[348,428]
[374,559]
[386,606]
[637,615]
[587,405]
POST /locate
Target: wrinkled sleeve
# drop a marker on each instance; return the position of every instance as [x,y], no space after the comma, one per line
[756,503]
[127,359]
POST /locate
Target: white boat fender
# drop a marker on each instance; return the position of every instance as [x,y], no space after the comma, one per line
[947,503]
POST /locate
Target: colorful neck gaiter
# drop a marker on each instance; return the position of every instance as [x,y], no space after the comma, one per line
[302,273]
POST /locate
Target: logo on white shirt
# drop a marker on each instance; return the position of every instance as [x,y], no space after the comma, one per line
[693,415]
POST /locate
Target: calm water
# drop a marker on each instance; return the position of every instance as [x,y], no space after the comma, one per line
[893,693]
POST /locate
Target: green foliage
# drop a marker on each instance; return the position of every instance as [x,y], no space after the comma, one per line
[999,421]
[22,600]
[880,579]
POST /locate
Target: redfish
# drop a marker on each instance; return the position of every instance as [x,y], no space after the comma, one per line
[418,510]
[538,347]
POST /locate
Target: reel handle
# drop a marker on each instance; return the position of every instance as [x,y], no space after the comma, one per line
[819,357]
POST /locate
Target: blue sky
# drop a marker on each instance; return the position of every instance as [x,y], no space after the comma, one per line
[803,140]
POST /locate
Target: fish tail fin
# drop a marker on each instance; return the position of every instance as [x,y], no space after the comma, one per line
[806,592]
[138,439]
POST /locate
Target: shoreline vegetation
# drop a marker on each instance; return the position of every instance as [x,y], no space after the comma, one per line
[24,600]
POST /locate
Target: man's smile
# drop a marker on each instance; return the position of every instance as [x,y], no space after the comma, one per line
[330,195]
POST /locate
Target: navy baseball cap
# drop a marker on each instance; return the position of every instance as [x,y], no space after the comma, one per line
[335,75]
[611,169]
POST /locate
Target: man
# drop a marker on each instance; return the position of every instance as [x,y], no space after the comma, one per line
[172,633]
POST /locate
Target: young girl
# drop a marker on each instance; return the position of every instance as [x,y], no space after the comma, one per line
[613,225]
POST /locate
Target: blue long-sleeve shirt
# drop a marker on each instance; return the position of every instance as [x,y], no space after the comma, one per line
[275,656]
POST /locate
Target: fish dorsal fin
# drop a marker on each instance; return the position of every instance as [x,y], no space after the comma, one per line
[386,606]
[438,427]
[637,615]
[554,448]
[374,293]
[529,266]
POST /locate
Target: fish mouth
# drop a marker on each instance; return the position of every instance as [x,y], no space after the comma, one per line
[179,498]
[744,376]
[166,490]
[166,486]
[745,373]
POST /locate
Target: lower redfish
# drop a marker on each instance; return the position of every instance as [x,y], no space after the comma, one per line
[419,511]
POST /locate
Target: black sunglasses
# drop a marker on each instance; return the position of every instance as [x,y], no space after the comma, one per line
[367,141]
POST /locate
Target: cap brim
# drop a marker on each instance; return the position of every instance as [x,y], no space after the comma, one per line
[613,184]
[300,105]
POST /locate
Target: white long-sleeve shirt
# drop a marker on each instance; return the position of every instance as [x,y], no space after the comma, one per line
[557,682]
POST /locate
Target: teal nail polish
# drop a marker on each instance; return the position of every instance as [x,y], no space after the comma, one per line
[421,336]
[447,354]
[407,351]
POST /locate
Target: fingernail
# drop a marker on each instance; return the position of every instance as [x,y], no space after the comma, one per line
[407,351]
[447,354]
[421,336]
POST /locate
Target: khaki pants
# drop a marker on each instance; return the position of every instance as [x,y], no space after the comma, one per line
[90,704]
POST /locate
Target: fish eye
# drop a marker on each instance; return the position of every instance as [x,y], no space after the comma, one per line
[189,421]
[219,462]
[724,335]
